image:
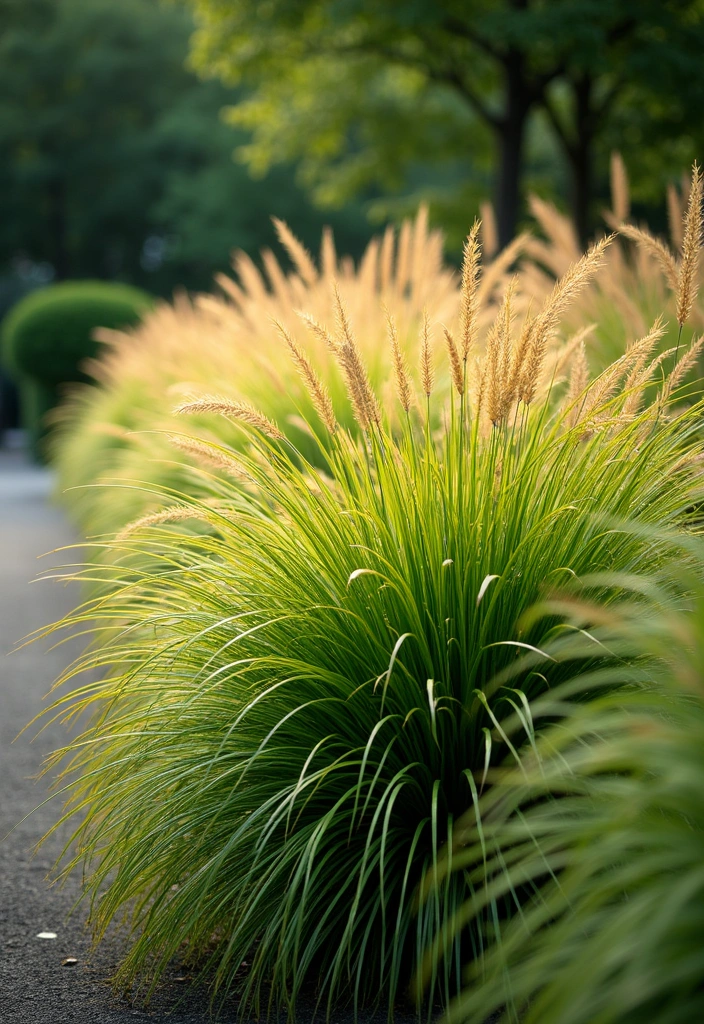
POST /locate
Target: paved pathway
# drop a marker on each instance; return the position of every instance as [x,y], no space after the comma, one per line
[36,987]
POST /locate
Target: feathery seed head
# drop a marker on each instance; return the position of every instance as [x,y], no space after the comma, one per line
[168,515]
[364,402]
[316,389]
[427,373]
[683,366]
[469,306]
[691,244]
[209,453]
[456,369]
[489,231]
[241,411]
[498,360]
[579,379]
[520,352]
[299,255]
[318,330]
[637,356]
[547,321]
[655,248]
[620,198]
[403,382]
[675,218]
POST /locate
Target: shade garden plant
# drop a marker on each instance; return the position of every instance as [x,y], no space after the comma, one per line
[300,672]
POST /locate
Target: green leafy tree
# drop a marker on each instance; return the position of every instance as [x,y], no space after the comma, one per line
[360,91]
[114,161]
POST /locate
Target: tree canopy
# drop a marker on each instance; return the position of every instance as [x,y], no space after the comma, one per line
[362,91]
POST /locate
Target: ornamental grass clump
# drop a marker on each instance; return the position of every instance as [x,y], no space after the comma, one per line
[601,830]
[293,703]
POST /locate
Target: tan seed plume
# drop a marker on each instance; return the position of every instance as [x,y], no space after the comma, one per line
[404,388]
[675,218]
[241,411]
[403,256]
[386,259]
[491,369]
[328,254]
[547,321]
[209,453]
[427,372]
[498,356]
[168,515]
[655,248]
[316,389]
[648,373]
[602,390]
[506,392]
[456,369]
[638,355]
[480,386]
[520,352]
[469,306]
[489,233]
[567,352]
[318,330]
[683,366]
[691,244]
[300,257]
[620,197]
[579,380]
[364,402]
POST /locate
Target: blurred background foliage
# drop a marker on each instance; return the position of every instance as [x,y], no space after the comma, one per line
[457,99]
[145,141]
[116,161]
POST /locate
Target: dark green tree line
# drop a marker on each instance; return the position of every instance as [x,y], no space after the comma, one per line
[114,161]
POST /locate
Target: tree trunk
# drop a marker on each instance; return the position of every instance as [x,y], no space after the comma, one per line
[511,137]
[581,158]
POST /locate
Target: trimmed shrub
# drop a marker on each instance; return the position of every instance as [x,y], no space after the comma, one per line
[48,335]
[298,696]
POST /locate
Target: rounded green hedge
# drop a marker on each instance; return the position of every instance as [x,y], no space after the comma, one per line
[49,333]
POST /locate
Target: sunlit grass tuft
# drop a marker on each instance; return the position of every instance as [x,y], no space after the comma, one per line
[293,703]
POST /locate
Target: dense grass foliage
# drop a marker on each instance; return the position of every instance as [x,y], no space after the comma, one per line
[295,700]
[602,831]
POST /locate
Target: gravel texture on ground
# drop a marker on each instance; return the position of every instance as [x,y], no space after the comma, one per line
[37,985]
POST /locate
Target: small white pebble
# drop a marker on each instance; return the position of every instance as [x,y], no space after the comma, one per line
[46,935]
